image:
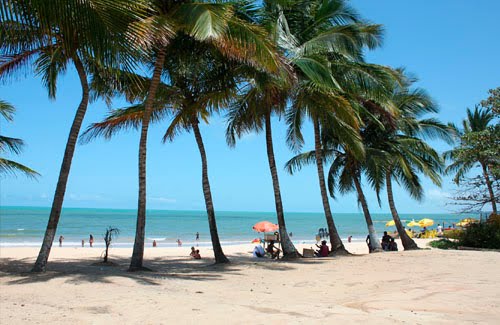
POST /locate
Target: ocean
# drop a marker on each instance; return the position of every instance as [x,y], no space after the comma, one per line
[25,226]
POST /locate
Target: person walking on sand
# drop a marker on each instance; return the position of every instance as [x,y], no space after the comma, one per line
[91,240]
[61,238]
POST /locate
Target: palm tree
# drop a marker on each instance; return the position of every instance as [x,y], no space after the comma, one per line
[50,35]
[12,145]
[397,140]
[344,174]
[201,80]
[263,96]
[213,22]
[407,152]
[324,42]
[463,158]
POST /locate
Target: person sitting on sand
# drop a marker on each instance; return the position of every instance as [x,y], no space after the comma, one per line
[393,246]
[197,255]
[193,251]
[385,241]
[258,251]
[272,250]
[323,249]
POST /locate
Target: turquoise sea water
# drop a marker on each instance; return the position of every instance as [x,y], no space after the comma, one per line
[25,226]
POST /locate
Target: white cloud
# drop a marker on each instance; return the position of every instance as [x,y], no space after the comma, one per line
[162,199]
[437,194]
[85,197]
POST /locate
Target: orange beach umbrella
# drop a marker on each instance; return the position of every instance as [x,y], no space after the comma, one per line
[265,226]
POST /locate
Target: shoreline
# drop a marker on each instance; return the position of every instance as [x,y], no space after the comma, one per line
[239,250]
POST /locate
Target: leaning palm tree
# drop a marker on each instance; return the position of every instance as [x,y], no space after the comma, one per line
[408,152]
[200,81]
[209,21]
[251,112]
[48,36]
[463,159]
[344,174]
[12,145]
[324,41]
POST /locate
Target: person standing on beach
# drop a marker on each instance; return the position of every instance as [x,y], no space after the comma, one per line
[91,240]
[83,242]
[61,238]
[197,238]
[154,243]
[179,243]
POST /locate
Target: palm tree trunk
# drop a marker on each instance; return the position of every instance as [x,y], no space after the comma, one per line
[218,253]
[289,250]
[407,242]
[374,242]
[138,252]
[490,188]
[335,241]
[55,212]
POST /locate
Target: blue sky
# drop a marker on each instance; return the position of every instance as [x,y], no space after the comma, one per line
[451,45]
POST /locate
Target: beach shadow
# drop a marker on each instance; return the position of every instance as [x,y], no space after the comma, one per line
[85,270]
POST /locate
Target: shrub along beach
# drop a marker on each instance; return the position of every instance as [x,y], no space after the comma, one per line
[178,64]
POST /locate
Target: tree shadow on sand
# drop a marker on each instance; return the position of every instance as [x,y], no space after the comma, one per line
[87,270]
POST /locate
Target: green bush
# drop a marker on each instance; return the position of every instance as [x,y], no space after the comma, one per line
[452,233]
[443,244]
[481,235]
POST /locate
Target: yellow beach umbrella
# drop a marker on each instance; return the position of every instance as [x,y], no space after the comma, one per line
[413,223]
[466,222]
[426,222]
[390,223]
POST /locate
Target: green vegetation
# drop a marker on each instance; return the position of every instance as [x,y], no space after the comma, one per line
[444,244]
[479,147]
[481,235]
[12,145]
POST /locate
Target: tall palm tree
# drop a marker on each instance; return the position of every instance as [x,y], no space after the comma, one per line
[48,36]
[200,80]
[477,121]
[324,41]
[13,145]
[406,153]
[264,95]
[209,21]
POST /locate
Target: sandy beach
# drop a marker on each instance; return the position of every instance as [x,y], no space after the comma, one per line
[417,287]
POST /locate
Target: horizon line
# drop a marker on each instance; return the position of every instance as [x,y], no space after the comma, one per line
[273,212]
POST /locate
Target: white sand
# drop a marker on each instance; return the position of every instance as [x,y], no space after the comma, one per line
[426,286]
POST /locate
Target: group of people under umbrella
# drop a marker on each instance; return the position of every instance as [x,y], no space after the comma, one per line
[267,246]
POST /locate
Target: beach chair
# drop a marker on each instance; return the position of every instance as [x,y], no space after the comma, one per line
[308,252]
